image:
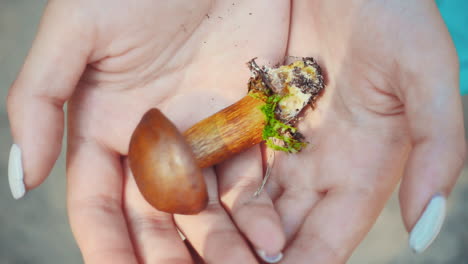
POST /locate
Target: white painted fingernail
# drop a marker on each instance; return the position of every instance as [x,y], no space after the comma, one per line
[428,226]
[269,259]
[15,173]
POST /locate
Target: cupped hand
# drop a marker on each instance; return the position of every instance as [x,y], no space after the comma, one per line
[113,60]
[391,108]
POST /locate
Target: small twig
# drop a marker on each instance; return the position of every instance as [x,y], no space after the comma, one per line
[270,163]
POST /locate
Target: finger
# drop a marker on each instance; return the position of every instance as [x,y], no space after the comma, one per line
[154,233]
[51,70]
[195,256]
[256,217]
[212,232]
[335,226]
[293,206]
[299,190]
[95,190]
[435,118]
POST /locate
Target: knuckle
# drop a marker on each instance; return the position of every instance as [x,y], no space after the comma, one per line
[150,223]
[102,204]
[328,252]
[241,185]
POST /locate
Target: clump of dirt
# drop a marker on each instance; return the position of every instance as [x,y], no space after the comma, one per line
[286,90]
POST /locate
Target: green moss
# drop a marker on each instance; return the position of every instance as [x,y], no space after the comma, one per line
[275,129]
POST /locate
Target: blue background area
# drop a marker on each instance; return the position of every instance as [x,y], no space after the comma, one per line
[455,14]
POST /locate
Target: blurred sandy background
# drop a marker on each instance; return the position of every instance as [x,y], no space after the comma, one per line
[35,229]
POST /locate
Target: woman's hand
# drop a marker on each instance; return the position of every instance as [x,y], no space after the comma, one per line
[113,60]
[392,100]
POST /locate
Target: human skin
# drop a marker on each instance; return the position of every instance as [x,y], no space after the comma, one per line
[112,61]
[392,99]
[391,87]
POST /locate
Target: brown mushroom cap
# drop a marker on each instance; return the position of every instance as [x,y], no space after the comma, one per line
[164,167]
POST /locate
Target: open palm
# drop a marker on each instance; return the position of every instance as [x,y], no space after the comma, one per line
[112,61]
[391,98]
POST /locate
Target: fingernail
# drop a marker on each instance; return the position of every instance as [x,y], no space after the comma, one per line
[428,226]
[15,172]
[269,259]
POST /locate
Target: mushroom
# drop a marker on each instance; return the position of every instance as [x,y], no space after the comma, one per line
[167,164]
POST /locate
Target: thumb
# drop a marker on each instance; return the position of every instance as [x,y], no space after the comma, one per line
[35,101]
[434,111]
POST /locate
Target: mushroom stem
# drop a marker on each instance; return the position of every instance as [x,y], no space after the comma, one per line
[228,132]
